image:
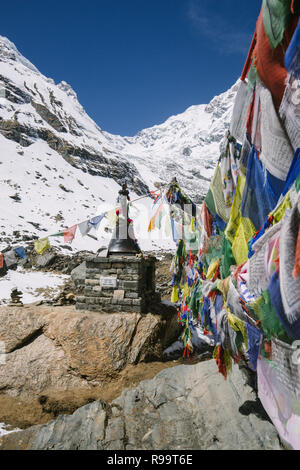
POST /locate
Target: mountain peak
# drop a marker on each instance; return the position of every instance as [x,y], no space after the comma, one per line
[9,52]
[63,166]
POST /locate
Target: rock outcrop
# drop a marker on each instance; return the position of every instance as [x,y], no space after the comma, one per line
[186,407]
[59,348]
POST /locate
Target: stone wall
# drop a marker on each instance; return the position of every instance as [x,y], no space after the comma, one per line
[119,284]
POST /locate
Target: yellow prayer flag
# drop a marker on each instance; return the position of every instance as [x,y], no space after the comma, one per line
[212,269]
[41,245]
[235,214]
[240,245]
[279,213]
[192,225]
[174,296]
[227,360]
[186,290]
[237,325]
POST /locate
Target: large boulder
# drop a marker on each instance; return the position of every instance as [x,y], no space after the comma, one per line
[79,273]
[183,408]
[59,348]
[36,367]
[46,259]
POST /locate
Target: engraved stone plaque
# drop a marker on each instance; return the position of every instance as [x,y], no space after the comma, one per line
[108,282]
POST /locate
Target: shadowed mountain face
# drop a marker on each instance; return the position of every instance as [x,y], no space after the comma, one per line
[53,154]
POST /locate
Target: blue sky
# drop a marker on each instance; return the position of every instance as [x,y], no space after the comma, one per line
[134,63]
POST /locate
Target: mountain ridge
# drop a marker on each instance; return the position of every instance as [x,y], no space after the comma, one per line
[39,119]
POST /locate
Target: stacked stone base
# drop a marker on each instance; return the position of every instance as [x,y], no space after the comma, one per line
[123,284]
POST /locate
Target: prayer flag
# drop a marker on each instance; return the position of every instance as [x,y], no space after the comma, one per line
[84,228]
[296,269]
[10,258]
[254,337]
[155,221]
[41,245]
[69,234]
[174,297]
[20,251]
[95,221]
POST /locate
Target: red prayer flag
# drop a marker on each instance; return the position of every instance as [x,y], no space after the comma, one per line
[207,220]
[270,62]
[296,269]
[69,234]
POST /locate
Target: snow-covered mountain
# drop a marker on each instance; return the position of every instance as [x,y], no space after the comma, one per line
[57,167]
[185,146]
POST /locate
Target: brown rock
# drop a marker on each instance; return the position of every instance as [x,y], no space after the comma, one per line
[18,326]
[60,348]
[36,367]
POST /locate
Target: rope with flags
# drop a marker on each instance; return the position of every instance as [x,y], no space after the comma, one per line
[41,245]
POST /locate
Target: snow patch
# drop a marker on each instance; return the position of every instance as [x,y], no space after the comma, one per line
[35,286]
[4,429]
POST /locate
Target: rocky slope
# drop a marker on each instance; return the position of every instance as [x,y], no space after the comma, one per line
[187,407]
[58,168]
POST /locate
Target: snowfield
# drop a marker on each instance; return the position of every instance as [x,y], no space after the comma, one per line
[35,286]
